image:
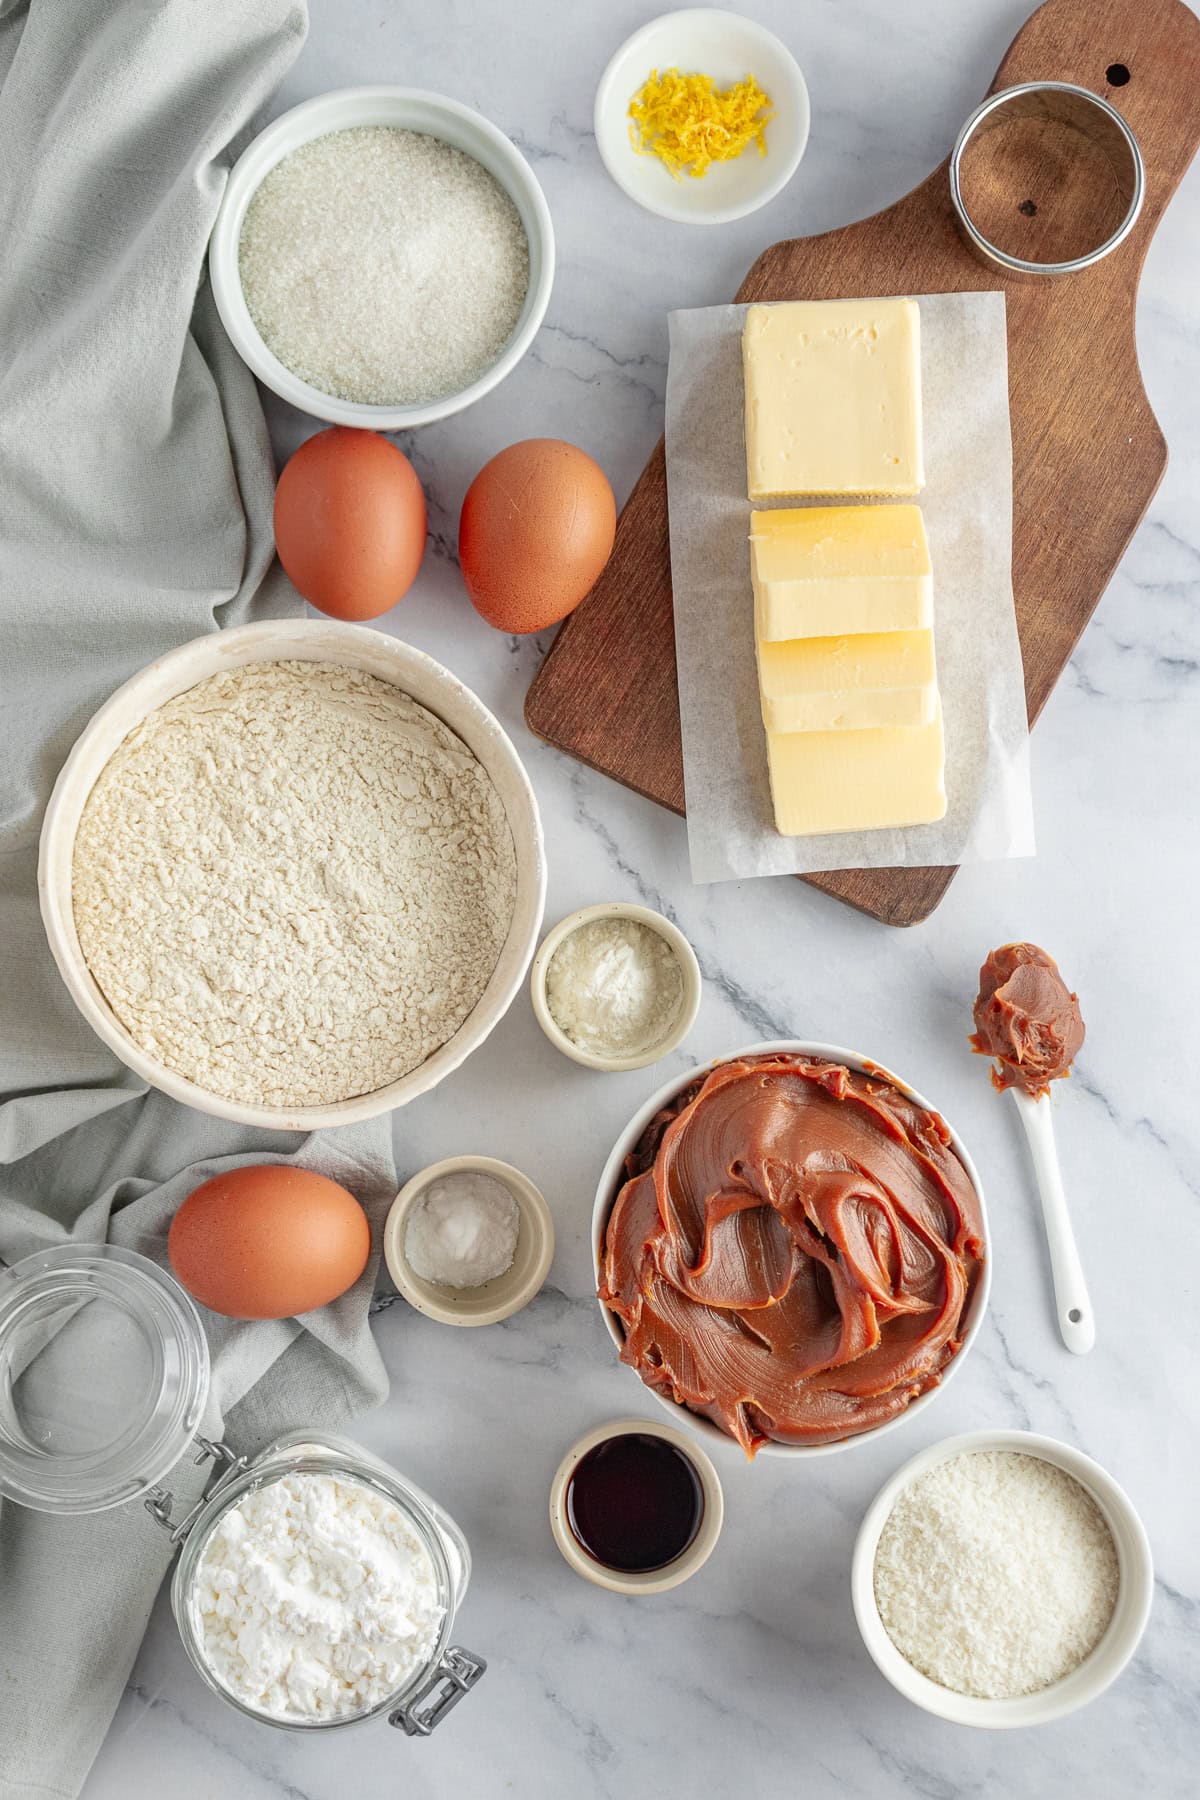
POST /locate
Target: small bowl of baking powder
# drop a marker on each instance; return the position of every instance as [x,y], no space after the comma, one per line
[616,986]
[469,1240]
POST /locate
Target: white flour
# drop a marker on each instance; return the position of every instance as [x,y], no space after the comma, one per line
[313,1599]
[614,986]
[293,883]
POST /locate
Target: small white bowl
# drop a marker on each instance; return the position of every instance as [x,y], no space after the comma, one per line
[689,968]
[301,640]
[654,1581]
[414,109]
[704,41]
[1094,1674]
[493,1300]
[610,1182]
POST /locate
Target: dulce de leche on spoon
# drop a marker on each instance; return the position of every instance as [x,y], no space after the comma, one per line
[1029,1020]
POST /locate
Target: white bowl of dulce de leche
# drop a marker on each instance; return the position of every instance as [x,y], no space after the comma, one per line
[791,1248]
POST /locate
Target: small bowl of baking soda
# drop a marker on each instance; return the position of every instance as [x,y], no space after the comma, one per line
[469,1240]
[616,986]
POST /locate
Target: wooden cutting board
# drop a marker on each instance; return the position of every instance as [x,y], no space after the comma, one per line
[1087,450]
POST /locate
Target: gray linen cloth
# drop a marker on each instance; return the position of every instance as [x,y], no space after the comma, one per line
[135,513]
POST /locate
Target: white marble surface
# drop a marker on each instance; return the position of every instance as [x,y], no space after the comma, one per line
[752,1679]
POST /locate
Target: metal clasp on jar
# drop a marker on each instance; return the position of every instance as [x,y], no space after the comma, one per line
[454,1675]
[160,1501]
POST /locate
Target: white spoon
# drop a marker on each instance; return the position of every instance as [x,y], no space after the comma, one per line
[1071,1302]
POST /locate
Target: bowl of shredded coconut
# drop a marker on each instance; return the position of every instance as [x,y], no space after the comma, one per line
[293,873]
[1001,1579]
[382,257]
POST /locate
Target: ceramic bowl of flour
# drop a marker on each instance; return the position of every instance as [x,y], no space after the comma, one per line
[332,647]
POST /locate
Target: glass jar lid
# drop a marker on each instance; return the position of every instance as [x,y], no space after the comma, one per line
[103,1377]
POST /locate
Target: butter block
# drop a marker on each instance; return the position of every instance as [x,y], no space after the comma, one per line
[833,398]
[857,780]
[861,683]
[832,571]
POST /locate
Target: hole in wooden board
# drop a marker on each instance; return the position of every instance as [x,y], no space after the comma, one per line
[1116,74]
[1080,203]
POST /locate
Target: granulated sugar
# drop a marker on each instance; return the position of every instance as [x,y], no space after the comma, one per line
[383,265]
[995,1574]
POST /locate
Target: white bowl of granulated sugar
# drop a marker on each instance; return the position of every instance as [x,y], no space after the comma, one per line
[1001,1579]
[382,257]
[293,874]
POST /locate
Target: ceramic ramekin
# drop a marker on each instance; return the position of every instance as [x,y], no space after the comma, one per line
[609,1185]
[1093,1675]
[705,40]
[494,1300]
[685,956]
[303,640]
[655,1581]
[413,109]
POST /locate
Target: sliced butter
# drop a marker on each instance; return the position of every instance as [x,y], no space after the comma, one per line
[861,683]
[833,398]
[831,571]
[857,780]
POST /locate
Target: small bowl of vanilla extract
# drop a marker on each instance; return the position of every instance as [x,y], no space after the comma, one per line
[636,1506]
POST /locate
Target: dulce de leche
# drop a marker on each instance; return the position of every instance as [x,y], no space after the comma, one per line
[794,1250]
[1027,1018]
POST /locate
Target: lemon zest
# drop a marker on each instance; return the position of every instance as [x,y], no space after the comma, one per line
[689,123]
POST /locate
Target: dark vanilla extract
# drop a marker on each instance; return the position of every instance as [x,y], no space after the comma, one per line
[635,1502]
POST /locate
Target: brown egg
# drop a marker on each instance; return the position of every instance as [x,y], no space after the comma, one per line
[536,529]
[268,1242]
[350,523]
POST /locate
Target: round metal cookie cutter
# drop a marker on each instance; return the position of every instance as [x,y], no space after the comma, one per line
[1072,109]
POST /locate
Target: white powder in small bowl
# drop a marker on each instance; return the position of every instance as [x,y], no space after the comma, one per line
[383,265]
[463,1230]
[995,1574]
[614,987]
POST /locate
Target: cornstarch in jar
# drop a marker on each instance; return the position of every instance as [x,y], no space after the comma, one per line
[383,266]
[995,1574]
[614,987]
[313,1599]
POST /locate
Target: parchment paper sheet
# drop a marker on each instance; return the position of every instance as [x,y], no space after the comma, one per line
[967,502]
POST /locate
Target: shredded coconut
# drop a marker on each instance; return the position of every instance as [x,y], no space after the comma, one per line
[995,1574]
[614,987]
[383,265]
[463,1230]
[313,1599]
[292,883]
